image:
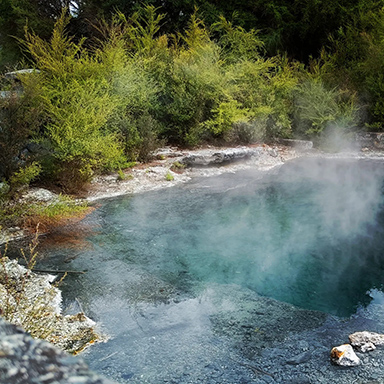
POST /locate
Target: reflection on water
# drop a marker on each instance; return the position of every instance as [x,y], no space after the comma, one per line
[176,275]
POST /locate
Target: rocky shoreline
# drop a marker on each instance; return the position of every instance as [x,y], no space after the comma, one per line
[184,165]
[171,166]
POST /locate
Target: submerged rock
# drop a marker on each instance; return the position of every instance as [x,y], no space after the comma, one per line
[366,341]
[300,358]
[345,356]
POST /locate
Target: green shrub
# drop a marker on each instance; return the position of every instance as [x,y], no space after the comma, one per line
[193,88]
[248,132]
[136,92]
[372,73]
[24,176]
[128,52]
[77,104]
[143,30]
[169,177]
[226,116]
[237,43]
[354,61]
[189,82]
[263,89]
[318,107]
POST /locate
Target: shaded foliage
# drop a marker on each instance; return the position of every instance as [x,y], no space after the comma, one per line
[20,118]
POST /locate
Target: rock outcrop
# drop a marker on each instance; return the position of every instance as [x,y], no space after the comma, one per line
[366,341]
[303,145]
[370,140]
[30,300]
[215,157]
[27,360]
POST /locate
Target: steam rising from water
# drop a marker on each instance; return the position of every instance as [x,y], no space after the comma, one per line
[310,235]
[176,275]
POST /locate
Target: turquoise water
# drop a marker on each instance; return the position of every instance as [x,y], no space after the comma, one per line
[161,265]
[310,236]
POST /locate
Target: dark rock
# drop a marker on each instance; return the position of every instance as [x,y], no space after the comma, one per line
[26,360]
[37,149]
[206,158]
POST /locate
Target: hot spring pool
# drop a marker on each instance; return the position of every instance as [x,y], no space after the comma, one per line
[203,283]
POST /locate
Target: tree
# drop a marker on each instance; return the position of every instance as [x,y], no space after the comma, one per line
[39,15]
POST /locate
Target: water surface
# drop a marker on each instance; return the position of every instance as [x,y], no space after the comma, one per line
[197,283]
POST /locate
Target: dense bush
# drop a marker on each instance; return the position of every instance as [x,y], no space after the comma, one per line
[318,107]
[20,115]
[350,31]
[98,104]
[77,102]
[354,62]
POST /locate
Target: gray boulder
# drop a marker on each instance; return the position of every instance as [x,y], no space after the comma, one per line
[207,158]
[40,194]
[27,360]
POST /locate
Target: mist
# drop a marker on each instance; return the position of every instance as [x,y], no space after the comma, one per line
[219,269]
[309,235]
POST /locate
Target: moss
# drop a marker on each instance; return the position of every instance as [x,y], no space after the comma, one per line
[177,167]
[169,177]
[29,214]
[121,176]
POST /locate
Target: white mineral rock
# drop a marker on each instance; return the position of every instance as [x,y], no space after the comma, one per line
[345,356]
[366,341]
[40,194]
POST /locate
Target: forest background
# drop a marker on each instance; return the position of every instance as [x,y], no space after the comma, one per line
[116,79]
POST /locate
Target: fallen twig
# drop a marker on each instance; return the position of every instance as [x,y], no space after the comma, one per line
[107,357]
[54,271]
